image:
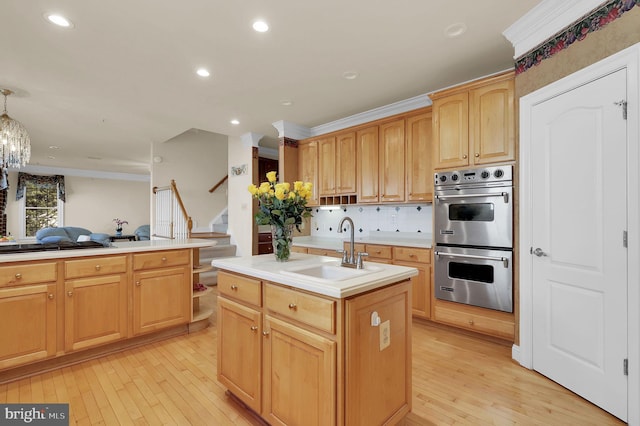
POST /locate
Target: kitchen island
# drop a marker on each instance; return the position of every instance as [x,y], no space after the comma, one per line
[63,306]
[309,342]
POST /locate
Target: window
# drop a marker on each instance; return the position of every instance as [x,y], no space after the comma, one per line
[41,202]
[40,207]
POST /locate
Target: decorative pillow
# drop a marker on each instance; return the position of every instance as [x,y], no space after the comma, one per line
[83,238]
[54,239]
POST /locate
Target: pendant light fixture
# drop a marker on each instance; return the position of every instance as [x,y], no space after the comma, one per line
[15,145]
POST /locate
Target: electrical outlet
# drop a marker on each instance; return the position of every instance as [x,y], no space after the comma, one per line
[385,335]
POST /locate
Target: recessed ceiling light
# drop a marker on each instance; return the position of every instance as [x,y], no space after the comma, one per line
[350,75]
[286,102]
[51,157]
[54,147]
[203,72]
[235,122]
[58,20]
[260,26]
[455,30]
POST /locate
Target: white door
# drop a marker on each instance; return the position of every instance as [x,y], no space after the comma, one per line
[579,275]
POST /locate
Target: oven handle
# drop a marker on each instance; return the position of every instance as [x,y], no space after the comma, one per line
[505,195]
[504,260]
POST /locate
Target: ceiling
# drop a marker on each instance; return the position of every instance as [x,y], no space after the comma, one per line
[123,77]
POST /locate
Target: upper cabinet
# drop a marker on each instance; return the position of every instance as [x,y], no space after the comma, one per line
[474,123]
[391,161]
[418,157]
[308,168]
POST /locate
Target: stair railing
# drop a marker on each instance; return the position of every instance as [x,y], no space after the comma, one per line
[217,185]
[171,218]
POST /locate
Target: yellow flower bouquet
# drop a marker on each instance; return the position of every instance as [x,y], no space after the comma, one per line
[283,207]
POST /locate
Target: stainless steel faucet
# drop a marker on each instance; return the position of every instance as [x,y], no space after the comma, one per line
[350,259]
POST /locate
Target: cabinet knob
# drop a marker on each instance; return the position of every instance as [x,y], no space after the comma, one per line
[470,322]
[51,296]
[97,267]
[69,293]
[234,287]
[164,259]
[254,328]
[265,333]
[464,156]
[18,276]
[293,306]
[477,155]
[138,283]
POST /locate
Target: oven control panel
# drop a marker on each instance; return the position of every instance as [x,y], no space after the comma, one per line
[494,174]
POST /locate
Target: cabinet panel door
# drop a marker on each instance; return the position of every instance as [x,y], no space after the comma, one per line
[327,165]
[492,123]
[451,131]
[161,298]
[299,376]
[95,311]
[239,351]
[346,163]
[308,168]
[391,161]
[367,154]
[420,289]
[371,397]
[419,153]
[28,318]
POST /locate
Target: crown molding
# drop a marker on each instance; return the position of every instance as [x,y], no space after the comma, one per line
[399,107]
[84,173]
[287,129]
[544,21]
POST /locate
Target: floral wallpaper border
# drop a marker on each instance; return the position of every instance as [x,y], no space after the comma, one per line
[600,17]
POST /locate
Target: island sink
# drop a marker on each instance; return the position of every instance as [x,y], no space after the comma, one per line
[329,272]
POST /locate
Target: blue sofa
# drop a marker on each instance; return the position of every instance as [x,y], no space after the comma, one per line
[69,234]
[143,232]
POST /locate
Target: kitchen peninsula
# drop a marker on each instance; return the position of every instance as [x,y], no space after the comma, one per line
[63,306]
[311,342]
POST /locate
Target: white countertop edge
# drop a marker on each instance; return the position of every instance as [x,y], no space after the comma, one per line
[266,268]
[118,247]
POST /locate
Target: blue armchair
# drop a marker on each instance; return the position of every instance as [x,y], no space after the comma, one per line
[69,234]
[143,232]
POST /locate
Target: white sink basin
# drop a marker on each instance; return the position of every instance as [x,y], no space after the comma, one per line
[329,272]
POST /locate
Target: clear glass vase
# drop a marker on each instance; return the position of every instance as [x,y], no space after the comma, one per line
[282,237]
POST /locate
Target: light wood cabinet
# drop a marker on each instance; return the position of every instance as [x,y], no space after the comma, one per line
[327,165]
[474,124]
[337,164]
[308,168]
[323,252]
[391,172]
[418,159]
[28,315]
[162,290]
[367,149]
[480,320]
[280,352]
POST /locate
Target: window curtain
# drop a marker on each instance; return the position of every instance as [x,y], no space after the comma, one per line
[23,178]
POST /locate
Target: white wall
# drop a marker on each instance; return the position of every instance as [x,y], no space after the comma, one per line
[92,203]
[240,203]
[196,160]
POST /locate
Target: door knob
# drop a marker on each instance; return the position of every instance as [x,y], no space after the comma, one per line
[538,252]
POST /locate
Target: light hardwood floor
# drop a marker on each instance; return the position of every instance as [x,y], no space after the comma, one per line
[457,379]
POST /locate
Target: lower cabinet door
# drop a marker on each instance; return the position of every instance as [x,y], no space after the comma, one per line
[161,298]
[299,376]
[95,311]
[239,351]
[28,318]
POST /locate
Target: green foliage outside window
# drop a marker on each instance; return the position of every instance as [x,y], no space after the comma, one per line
[41,207]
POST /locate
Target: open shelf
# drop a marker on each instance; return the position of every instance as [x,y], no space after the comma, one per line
[197,294]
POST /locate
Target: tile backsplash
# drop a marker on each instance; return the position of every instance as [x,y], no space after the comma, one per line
[368,219]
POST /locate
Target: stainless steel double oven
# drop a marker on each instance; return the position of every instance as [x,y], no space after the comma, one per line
[473,217]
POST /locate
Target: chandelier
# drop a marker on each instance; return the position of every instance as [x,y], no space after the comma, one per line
[15,145]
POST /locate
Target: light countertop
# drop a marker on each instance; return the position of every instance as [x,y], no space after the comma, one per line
[265,267]
[403,239]
[117,247]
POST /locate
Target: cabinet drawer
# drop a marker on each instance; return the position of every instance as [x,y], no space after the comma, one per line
[412,254]
[324,252]
[265,237]
[241,288]
[305,308]
[378,252]
[27,273]
[160,259]
[471,319]
[95,266]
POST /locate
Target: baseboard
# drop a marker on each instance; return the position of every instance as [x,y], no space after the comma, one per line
[515,353]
